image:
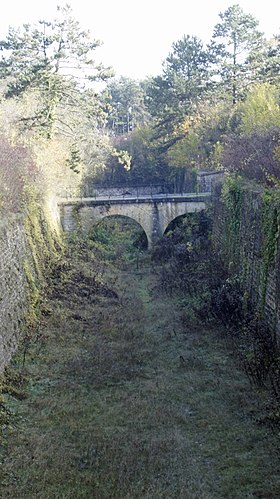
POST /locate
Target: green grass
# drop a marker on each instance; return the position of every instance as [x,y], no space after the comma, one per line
[126,399]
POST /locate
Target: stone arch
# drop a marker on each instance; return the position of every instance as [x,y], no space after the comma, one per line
[152,215]
[90,215]
[172,212]
[177,219]
[117,215]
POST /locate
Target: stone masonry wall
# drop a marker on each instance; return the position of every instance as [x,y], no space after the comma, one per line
[206,181]
[22,243]
[262,288]
[12,286]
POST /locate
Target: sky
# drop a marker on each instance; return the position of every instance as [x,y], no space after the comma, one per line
[137,35]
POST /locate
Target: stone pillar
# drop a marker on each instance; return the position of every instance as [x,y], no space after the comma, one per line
[156,232]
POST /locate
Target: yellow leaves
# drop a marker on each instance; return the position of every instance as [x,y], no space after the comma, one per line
[183,128]
[124,158]
[183,152]
[260,111]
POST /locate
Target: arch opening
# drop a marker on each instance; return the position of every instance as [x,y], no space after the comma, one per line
[185,234]
[120,237]
[185,222]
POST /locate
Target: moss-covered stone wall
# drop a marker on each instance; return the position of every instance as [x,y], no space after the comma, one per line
[29,246]
[246,221]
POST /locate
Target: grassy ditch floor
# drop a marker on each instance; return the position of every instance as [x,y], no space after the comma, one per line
[124,400]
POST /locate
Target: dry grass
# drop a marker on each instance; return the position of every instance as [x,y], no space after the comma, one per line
[124,402]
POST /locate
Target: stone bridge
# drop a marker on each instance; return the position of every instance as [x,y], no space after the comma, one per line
[154,213]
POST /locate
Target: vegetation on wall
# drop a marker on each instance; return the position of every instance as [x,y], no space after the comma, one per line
[16,168]
[232,197]
[248,300]
[24,199]
[270,234]
[237,200]
[44,251]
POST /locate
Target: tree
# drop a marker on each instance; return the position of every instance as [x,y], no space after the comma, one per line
[202,144]
[147,166]
[254,149]
[255,156]
[126,102]
[49,59]
[237,47]
[260,111]
[176,93]
[271,69]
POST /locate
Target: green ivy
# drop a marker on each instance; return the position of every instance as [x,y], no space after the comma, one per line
[237,197]
[270,235]
[232,197]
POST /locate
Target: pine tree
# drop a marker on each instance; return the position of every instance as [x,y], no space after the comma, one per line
[49,60]
[236,45]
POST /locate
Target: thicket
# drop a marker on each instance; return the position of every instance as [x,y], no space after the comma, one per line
[118,240]
[187,266]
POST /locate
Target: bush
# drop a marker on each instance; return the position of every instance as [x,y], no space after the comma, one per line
[254,156]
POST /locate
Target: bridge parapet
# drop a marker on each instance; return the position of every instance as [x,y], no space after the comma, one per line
[130,199]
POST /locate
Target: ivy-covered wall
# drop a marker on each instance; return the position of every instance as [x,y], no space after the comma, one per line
[246,222]
[29,246]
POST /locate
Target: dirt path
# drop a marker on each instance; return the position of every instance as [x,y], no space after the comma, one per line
[125,401]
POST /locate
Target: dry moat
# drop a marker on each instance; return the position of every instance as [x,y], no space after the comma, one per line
[126,397]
